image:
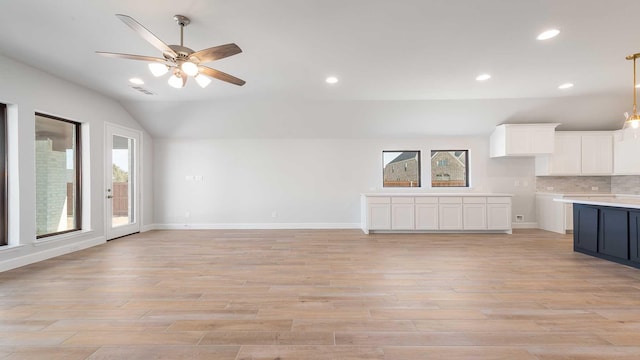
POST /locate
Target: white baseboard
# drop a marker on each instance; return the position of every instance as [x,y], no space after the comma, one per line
[49,253]
[145,228]
[524,225]
[256,226]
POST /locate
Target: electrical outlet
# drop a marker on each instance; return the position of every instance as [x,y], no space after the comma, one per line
[519,218]
[595,188]
[274,214]
[549,188]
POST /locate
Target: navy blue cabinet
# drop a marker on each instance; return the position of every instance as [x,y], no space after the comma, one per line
[613,237]
[607,232]
[585,228]
[634,236]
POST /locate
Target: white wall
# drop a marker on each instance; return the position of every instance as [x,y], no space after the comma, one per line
[313,183]
[27,90]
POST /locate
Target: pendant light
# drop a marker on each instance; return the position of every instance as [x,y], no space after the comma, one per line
[633,121]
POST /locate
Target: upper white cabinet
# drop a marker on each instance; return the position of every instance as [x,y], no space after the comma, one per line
[597,153]
[522,140]
[565,159]
[626,147]
[578,153]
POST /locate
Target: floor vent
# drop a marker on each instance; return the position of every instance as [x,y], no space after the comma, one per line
[143,90]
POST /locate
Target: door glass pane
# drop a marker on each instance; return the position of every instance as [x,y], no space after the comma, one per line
[122,181]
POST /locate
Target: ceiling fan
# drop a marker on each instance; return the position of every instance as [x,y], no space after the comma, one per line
[179,59]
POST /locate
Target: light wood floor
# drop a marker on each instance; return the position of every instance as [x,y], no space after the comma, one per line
[334,294]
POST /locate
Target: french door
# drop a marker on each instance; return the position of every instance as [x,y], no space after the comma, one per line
[122,181]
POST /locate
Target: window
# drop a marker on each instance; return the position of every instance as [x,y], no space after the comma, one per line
[58,200]
[3,178]
[450,168]
[401,169]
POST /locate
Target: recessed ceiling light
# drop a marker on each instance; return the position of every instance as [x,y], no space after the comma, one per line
[331,80]
[483,77]
[136,81]
[548,34]
[565,86]
[638,86]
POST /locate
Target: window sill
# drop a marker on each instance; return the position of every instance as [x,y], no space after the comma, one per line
[61,237]
[9,248]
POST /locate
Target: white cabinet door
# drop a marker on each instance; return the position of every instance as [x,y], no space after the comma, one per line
[402,217]
[450,216]
[597,154]
[379,217]
[499,216]
[542,140]
[474,216]
[426,216]
[519,140]
[626,148]
[379,213]
[566,158]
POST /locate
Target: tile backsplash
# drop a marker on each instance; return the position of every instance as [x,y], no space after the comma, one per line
[574,184]
[625,184]
[585,184]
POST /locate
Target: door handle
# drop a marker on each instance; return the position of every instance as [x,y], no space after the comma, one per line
[109,196]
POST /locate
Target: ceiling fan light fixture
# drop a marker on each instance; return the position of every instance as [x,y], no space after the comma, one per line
[202,80]
[176,80]
[189,68]
[158,69]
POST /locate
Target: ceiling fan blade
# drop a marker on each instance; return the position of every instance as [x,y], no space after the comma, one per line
[132,57]
[216,52]
[221,76]
[147,35]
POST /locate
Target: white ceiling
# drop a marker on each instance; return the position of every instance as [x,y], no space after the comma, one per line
[406,67]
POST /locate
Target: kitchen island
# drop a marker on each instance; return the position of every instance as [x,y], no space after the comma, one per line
[608,229]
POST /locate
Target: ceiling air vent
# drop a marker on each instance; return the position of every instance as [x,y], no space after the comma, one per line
[143,90]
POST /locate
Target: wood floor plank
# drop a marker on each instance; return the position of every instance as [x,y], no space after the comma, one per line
[322,294]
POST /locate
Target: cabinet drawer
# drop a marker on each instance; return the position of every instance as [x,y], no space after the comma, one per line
[474,200]
[426,200]
[450,200]
[402,200]
[379,200]
[499,200]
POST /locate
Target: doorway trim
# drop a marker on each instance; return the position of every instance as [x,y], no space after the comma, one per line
[119,231]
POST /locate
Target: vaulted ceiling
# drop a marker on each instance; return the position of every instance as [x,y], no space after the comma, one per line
[405,67]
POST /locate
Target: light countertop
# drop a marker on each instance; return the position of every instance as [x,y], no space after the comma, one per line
[462,194]
[629,202]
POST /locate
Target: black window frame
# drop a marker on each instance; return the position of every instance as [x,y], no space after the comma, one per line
[466,171]
[77,196]
[4,189]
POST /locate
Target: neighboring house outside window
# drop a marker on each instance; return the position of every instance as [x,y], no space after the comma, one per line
[449,168]
[401,169]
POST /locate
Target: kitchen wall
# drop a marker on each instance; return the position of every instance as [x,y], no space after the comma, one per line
[26,90]
[310,183]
